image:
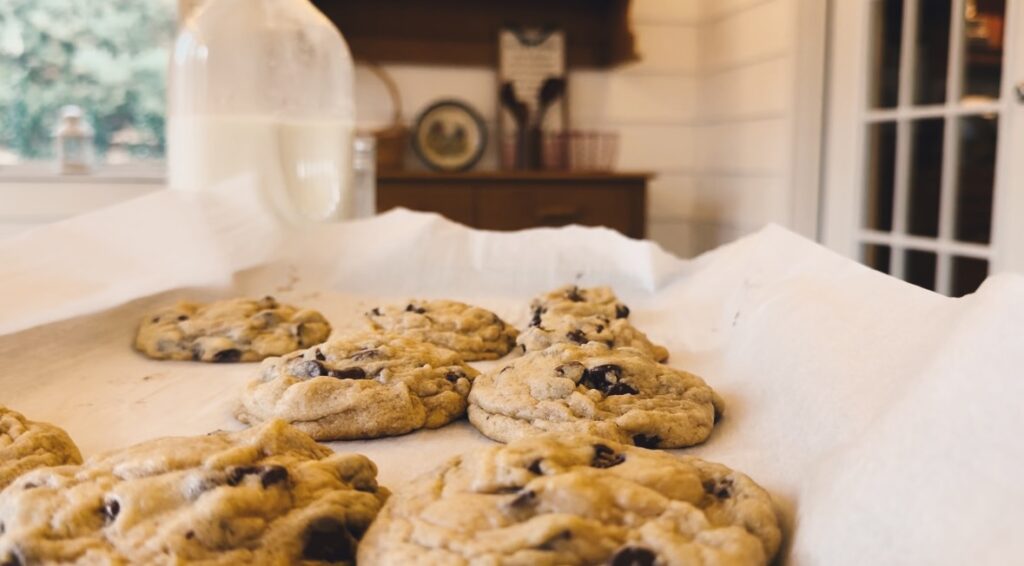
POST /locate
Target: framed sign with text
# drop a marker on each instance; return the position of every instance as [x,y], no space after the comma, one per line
[532,90]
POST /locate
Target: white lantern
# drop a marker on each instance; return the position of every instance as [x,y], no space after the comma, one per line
[73,137]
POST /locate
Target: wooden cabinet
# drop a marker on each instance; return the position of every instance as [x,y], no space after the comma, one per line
[516,200]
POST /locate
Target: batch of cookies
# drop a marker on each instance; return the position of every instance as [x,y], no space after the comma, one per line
[580,401]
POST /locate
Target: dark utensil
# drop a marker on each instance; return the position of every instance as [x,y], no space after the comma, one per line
[520,115]
[550,91]
[519,110]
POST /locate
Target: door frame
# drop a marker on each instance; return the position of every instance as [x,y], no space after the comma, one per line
[810,62]
[845,137]
[1008,224]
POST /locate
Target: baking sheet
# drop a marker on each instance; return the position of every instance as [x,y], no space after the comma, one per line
[884,419]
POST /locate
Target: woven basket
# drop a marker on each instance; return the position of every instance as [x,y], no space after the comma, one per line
[393,139]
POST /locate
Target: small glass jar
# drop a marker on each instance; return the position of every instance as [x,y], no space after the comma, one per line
[73,138]
[364,186]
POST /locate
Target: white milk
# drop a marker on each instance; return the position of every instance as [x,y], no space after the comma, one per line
[304,167]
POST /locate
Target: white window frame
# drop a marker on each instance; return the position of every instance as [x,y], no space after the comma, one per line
[846,144]
[152,172]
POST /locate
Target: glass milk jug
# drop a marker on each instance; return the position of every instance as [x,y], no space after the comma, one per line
[264,87]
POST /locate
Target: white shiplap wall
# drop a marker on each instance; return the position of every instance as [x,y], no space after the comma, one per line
[743,127]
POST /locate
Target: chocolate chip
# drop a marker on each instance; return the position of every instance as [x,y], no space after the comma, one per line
[307,368]
[269,475]
[600,328]
[328,540]
[574,295]
[577,336]
[413,308]
[605,457]
[237,473]
[534,467]
[621,311]
[365,354]
[182,317]
[721,489]
[111,508]
[28,486]
[454,376]
[597,378]
[620,389]
[357,531]
[227,356]
[155,319]
[646,441]
[272,475]
[190,535]
[633,556]
[526,498]
[319,355]
[348,373]
[537,312]
[600,373]
[375,312]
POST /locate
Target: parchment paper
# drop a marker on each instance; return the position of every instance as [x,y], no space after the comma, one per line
[886,420]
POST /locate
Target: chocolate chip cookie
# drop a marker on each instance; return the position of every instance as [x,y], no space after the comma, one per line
[474,333]
[233,330]
[26,445]
[269,495]
[573,301]
[361,386]
[575,499]
[613,332]
[620,394]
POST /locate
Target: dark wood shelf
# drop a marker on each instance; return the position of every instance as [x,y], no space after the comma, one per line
[465,32]
[513,200]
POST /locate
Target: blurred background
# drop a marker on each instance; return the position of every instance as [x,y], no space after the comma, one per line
[889,130]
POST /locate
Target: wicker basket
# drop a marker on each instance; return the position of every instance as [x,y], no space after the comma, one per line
[392,140]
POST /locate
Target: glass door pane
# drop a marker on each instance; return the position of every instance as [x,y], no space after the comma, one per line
[932,51]
[932,122]
[983,49]
[976,181]
[925,182]
[886,42]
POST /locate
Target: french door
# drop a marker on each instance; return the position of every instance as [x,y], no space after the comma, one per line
[925,138]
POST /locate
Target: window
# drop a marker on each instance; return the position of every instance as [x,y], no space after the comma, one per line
[109,57]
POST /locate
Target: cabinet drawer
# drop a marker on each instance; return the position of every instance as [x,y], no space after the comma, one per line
[515,208]
[449,200]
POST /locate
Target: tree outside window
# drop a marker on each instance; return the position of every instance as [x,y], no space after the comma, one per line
[107,56]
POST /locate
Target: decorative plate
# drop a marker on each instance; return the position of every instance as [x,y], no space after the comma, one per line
[449,136]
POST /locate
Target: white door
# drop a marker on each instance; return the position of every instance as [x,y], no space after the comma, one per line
[924,171]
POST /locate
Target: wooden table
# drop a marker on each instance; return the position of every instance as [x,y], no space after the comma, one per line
[512,200]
